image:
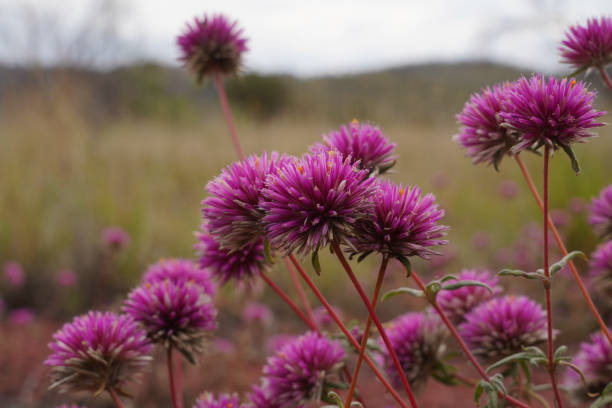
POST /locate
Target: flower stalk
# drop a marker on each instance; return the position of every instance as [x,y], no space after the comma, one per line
[228,114]
[115,397]
[604,76]
[174,390]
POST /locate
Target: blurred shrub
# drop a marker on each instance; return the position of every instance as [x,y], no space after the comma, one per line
[261,96]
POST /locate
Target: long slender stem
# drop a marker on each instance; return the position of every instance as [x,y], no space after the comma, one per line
[464,347]
[290,302]
[299,289]
[605,76]
[115,398]
[561,245]
[178,375]
[548,286]
[366,333]
[228,114]
[173,389]
[345,331]
[379,326]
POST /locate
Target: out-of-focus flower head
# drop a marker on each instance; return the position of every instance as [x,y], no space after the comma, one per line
[208,400]
[98,351]
[13,273]
[600,212]
[311,202]
[588,45]
[66,278]
[508,189]
[115,238]
[323,319]
[365,144]
[212,45]
[231,211]
[21,316]
[503,326]
[600,266]
[257,312]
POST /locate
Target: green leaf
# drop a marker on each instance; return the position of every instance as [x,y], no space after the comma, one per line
[533,355]
[406,262]
[521,274]
[448,277]
[315,262]
[478,391]
[384,169]
[464,283]
[561,264]
[268,251]
[570,152]
[559,354]
[410,291]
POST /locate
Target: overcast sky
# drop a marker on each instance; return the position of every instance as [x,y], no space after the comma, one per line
[300,37]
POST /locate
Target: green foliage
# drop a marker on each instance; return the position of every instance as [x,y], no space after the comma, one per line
[262,96]
[491,388]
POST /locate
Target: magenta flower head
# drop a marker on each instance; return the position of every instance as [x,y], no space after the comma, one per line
[115,238]
[257,313]
[457,303]
[403,223]
[314,201]
[588,46]
[232,211]
[174,313]
[13,273]
[261,397]
[302,368]
[365,144]
[503,326]
[550,112]
[242,265]
[208,400]
[21,316]
[98,351]
[180,271]
[482,133]
[600,212]
[417,339]
[212,45]
[66,278]
[600,270]
[594,359]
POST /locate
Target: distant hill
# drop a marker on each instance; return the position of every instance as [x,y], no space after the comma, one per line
[427,93]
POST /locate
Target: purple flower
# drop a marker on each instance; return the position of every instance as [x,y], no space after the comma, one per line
[174,313]
[601,264]
[21,316]
[402,223]
[482,133]
[226,265]
[594,359]
[457,303]
[212,45]
[180,271]
[600,216]
[589,46]
[313,201]
[13,272]
[549,112]
[66,278]
[208,400]
[257,312]
[98,351]
[417,339]
[261,397]
[277,342]
[508,189]
[232,211]
[115,238]
[301,368]
[503,326]
[323,319]
[365,144]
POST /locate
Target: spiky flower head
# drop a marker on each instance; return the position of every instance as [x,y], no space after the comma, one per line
[401,224]
[224,264]
[313,201]
[457,303]
[588,46]
[180,271]
[299,371]
[175,312]
[418,341]
[600,212]
[600,271]
[550,112]
[98,351]
[212,45]
[364,143]
[232,211]
[482,133]
[594,359]
[503,326]
[208,400]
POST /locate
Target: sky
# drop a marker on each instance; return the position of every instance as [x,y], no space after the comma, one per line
[304,37]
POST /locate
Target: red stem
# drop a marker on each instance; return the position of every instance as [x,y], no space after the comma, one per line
[462,344]
[173,389]
[228,114]
[345,331]
[366,333]
[381,329]
[115,398]
[561,245]
[289,302]
[178,375]
[547,284]
[605,76]
[299,289]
